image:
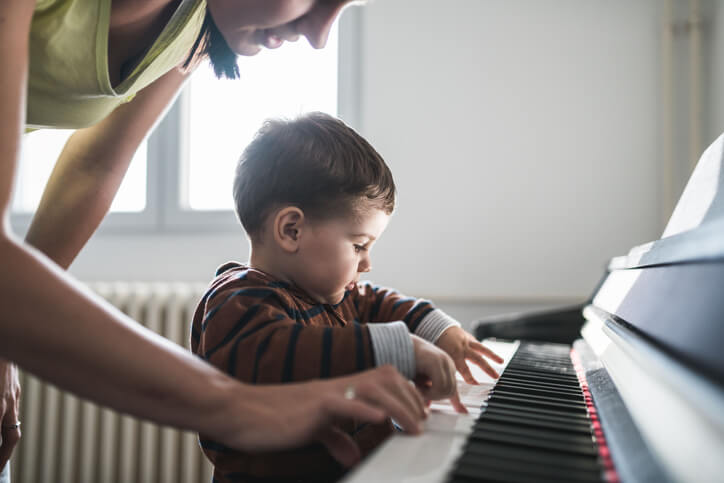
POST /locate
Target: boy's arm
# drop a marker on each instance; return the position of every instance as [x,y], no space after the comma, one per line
[379,304]
[427,322]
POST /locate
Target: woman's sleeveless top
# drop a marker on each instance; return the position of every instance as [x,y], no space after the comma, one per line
[68,81]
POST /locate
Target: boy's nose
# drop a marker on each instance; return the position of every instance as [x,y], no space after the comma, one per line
[316,24]
[364,266]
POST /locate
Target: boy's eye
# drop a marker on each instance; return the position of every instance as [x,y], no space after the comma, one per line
[358,248]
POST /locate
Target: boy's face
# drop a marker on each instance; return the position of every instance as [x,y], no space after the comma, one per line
[333,253]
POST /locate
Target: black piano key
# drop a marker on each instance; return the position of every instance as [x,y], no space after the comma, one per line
[521,406]
[562,388]
[556,459]
[528,379]
[540,469]
[566,427]
[534,426]
[537,403]
[543,434]
[468,473]
[573,393]
[552,365]
[531,395]
[526,442]
[545,367]
[539,375]
[495,410]
[546,385]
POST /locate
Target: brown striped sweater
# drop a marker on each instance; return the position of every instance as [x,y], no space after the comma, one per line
[261,330]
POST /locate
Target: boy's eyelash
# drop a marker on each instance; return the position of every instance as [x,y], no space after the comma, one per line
[359,248]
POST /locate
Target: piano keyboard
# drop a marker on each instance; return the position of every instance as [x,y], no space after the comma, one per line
[531,425]
[534,427]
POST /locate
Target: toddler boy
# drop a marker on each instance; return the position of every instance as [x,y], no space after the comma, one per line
[313,197]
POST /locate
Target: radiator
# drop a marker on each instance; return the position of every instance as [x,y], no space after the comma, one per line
[66,439]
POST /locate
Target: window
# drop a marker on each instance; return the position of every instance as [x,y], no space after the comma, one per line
[40,150]
[181,176]
[224,115]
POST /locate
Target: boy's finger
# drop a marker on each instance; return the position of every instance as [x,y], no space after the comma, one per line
[457,405]
[464,371]
[341,446]
[479,361]
[484,350]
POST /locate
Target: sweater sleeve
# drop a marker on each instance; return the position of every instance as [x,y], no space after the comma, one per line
[252,334]
[380,304]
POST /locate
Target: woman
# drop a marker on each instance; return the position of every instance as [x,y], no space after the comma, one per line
[110,70]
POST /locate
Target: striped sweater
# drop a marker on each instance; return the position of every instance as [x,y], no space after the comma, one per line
[264,331]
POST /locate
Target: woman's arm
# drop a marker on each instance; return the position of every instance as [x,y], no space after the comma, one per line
[93,162]
[15,16]
[53,327]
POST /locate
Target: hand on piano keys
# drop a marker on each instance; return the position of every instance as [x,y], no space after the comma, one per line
[530,426]
[472,395]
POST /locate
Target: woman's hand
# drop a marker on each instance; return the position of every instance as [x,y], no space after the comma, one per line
[284,416]
[9,409]
[461,346]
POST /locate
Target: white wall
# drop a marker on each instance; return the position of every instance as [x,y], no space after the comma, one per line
[715,70]
[523,136]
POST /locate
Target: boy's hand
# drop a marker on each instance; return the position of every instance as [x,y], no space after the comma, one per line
[435,376]
[462,346]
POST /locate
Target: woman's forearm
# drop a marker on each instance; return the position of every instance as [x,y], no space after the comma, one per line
[56,329]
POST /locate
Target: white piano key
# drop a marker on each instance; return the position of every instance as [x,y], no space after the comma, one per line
[473,395]
[428,457]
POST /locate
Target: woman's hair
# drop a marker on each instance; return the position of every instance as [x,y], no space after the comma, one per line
[212,45]
[315,162]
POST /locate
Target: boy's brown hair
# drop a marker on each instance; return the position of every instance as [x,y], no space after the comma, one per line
[315,162]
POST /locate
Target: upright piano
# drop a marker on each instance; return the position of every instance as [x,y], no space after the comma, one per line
[638,397]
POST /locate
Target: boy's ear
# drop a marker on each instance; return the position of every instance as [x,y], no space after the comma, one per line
[288,225]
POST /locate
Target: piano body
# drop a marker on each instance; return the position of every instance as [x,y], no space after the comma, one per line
[638,397]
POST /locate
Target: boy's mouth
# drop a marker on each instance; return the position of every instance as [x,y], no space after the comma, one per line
[350,286]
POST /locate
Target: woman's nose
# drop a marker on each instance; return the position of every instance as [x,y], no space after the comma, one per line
[317,23]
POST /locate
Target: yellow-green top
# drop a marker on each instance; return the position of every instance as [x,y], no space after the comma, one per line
[68,82]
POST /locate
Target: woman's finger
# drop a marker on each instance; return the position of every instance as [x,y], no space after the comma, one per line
[336,406]
[341,446]
[10,432]
[408,419]
[401,387]
[445,386]
[407,393]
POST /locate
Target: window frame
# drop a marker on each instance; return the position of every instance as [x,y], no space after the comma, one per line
[168,151]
